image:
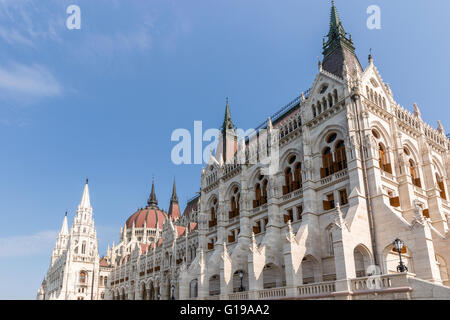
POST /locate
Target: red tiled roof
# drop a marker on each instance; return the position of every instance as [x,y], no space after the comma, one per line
[144,247]
[146,217]
[193,226]
[174,210]
[180,230]
[191,206]
[103,262]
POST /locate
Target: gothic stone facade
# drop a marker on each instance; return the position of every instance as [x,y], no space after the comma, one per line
[356,171]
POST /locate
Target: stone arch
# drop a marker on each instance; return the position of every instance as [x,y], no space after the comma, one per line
[413,150]
[272,276]
[143,291]
[363,259]
[193,288]
[214,285]
[385,137]
[391,258]
[237,280]
[338,129]
[438,167]
[443,269]
[311,269]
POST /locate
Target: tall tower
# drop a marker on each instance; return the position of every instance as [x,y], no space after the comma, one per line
[83,258]
[228,142]
[62,241]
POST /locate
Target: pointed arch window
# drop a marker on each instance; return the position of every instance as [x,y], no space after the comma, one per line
[440,183]
[298,176]
[414,175]
[264,192]
[327,163]
[287,188]
[341,157]
[235,199]
[83,247]
[382,159]
[83,277]
[257,201]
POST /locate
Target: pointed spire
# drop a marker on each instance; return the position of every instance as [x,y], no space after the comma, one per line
[336,28]
[417,111]
[174,192]
[64,227]
[174,208]
[85,199]
[152,201]
[227,122]
[440,128]
[269,124]
[338,46]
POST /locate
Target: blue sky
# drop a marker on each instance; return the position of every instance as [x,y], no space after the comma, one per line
[102,102]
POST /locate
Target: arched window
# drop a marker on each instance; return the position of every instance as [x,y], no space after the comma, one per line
[382,159]
[287,188]
[257,201]
[213,219]
[335,96]
[235,199]
[324,103]
[264,192]
[330,100]
[298,176]
[341,158]
[414,175]
[314,111]
[327,163]
[83,247]
[319,108]
[440,183]
[83,277]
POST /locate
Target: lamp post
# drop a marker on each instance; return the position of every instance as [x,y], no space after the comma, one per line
[241,276]
[398,244]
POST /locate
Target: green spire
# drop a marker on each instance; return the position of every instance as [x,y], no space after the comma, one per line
[227,122]
[337,35]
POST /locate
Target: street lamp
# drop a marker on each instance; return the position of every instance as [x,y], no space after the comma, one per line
[398,244]
[241,276]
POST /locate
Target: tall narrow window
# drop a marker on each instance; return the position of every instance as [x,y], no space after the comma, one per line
[264,192]
[341,158]
[83,248]
[327,162]
[382,159]
[414,176]
[288,181]
[343,197]
[440,183]
[257,201]
[83,277]
[298,176]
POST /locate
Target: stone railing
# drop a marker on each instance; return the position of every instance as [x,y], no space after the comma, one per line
[239,296]
[274,293]
[315,289]
[382,282]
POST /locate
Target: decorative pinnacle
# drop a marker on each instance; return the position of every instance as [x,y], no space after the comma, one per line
[152,201]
